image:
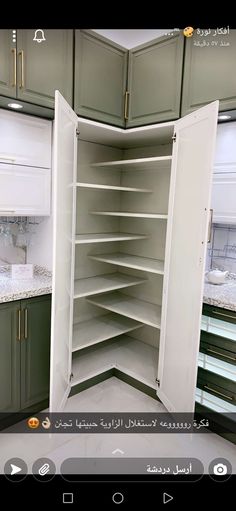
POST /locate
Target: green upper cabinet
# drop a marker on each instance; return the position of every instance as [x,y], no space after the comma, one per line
[45,66]
[100,78]
[9,357]
[31,71]
[154,81]
[209,71]
[35,350]
[7,64]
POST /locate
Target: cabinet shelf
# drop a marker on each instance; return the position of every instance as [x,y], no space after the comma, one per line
[153,163]
[135,358]
[130,214]
[106,237]
[131,261]
[103,283]
[101,328]
[146,312]
[95,186]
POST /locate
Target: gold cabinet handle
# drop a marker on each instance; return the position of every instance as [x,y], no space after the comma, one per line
[221,354]
[14,67]
[22,80]
[224,314]
[126,115]
[18,335]
[210,226]
[217,392]
[25,323]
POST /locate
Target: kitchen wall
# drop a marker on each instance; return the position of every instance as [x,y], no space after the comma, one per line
[222,251]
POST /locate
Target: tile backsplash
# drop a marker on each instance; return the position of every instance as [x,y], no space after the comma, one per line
[222,251]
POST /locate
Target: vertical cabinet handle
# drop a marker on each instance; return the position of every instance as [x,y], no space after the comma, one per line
[14,67]
[18,335]
[25,323]
[22,78]
[126,106]
[210,226]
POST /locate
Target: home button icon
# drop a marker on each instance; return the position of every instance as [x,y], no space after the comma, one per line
[118,498]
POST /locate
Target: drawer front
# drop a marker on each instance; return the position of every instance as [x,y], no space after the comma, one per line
[219,313]
[218,347]
[217,385]
[25,140]
[24,190]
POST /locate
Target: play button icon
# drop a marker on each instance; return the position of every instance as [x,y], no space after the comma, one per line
[167,498]
[15,469]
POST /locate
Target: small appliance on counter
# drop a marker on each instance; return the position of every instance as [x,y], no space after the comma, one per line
[217,276]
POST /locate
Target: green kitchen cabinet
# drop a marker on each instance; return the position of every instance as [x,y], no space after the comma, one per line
[24,353]
[100,78]
[209,70]
[9,357]
[35,350]
[7,64]
[31,71]
[154,81]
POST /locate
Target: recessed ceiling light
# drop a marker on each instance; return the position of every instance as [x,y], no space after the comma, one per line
[15,105]
[224,117]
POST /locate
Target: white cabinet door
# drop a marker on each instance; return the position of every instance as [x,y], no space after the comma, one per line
[189,204]
[224,198]
[65,168]
[24,191]
[25,140]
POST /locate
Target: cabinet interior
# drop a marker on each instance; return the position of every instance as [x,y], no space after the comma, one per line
[122,196]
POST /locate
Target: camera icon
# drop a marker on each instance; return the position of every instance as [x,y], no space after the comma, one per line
[220,469]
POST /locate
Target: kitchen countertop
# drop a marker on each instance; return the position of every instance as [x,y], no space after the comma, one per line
[221,295]
[16,289]
[218,295]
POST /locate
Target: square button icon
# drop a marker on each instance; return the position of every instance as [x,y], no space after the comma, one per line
[68,498]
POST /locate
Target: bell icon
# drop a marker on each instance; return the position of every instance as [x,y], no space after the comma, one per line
[39,36]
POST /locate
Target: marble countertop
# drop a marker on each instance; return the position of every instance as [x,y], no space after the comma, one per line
[221,295]
[16,289]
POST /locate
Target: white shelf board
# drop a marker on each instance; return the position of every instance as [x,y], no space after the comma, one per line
[152,163]
[131,261]
[130,214]
[95,186]
[104,283]
[133,357]
[145,312]
[101,133]
[101,328]
[107,237]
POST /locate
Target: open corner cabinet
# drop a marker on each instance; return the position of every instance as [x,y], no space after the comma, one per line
[131,212]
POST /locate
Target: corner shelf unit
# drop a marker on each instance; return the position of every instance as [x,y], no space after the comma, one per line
[137,189]
[130,217]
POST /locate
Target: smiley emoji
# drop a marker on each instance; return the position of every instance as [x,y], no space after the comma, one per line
[188,31]
[33,423]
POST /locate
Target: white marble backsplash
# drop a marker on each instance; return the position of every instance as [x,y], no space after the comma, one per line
[222,252]
[12,255]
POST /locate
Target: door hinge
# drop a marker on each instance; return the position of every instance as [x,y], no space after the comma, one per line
[158,382]
[77,132]
[174,137]
[71,377]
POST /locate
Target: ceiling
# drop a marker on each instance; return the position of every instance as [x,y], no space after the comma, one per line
[129,38]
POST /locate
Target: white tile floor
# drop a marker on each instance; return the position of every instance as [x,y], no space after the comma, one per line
[108,396]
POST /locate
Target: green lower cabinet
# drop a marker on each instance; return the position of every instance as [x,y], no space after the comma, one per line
[35,351]
[24,353]
[9,358]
